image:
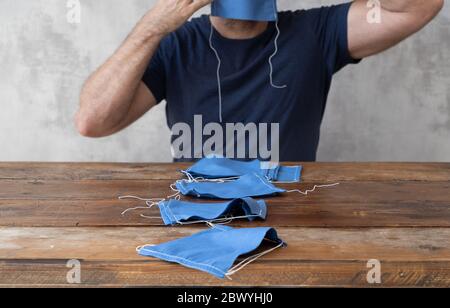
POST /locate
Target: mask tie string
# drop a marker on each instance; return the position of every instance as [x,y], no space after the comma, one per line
[272,56]
[306,192]
[219,64]
[139,198]
[177,194]
[149,203]
[138,248]
[249,260]
[219,221]
[192,179]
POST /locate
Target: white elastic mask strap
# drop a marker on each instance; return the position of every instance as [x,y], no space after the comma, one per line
[219,64]
[306,192]
[219,221]
[192,179]
[249,260]
[149,203]
[177,194]
[272,56]
[138,248]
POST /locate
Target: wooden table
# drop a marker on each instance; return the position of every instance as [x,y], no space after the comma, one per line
[397,213]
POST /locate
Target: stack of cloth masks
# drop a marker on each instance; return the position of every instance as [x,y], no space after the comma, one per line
[238,182]
[216,168]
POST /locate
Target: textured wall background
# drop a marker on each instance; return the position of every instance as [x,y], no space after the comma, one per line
[395,106]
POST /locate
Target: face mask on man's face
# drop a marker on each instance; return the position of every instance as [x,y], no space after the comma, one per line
[255,10]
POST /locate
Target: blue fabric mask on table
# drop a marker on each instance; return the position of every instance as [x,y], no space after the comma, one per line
[214,168]
[249,185]
[215,250]
[178,212]
[256,10]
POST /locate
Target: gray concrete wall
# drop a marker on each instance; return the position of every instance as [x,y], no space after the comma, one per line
[395,106]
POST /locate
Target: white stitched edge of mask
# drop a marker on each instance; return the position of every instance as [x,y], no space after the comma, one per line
[209,220]
[264,182]
[186,260]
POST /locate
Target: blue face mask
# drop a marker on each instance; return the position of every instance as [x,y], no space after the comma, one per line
[256,10]
[181,212]
[249,185]
[214,168]
[215,250]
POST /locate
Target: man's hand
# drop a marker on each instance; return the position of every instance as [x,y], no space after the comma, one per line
[114,96]
[399,19]
[168,15]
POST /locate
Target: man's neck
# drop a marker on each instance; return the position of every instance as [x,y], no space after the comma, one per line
[238,29]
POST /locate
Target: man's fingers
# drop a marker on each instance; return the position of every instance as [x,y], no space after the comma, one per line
[198,4]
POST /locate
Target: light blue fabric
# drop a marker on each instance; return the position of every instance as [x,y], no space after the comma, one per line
[249,185]
[289,174]
[213,168]
[257,10]
[177,211]
[213,251]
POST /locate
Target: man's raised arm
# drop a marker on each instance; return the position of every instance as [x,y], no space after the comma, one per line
[114,96]
[399,19]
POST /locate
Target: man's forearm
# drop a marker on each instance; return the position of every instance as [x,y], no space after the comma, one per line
[107,95]
[113,97]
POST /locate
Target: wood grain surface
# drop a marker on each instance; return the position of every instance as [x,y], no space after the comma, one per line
[397,213]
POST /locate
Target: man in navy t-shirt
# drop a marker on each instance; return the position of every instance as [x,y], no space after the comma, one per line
[242,65]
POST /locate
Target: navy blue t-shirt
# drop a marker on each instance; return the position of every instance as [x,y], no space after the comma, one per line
[312,47]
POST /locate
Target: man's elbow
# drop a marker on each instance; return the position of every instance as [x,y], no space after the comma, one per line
[439,5]
[83,125]
[425,12]
[434,7]
[87,126]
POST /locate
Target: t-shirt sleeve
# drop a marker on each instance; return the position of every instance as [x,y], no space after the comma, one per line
[330,25]
[155,76]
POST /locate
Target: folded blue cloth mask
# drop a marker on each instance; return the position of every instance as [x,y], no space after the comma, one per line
[176,211]
[249,185]
[215,250]
[214,168]
[256,10]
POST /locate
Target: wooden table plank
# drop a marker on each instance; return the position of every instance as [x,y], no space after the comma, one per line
[313,172]
[314,257]
[351,204]
[52,273]
[118,244]
[326,213]
[357,192]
